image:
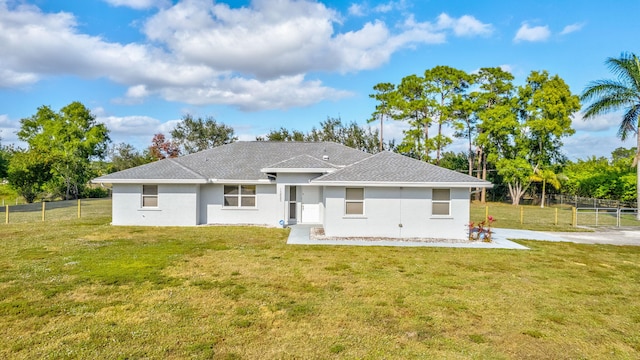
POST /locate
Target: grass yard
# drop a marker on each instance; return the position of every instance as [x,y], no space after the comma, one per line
[534,217]
[84,289]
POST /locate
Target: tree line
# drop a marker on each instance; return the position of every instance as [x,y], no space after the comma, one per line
[514,135]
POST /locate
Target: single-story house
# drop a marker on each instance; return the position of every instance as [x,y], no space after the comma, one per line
[348,192]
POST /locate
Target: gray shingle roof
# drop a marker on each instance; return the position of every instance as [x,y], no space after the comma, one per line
[391,167]
[302,162]
[238,161]
[159,170]
[245,160]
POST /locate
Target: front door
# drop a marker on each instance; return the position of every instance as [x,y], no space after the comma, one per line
[310,204]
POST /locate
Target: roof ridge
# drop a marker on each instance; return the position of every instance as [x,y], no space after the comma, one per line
[175,161]
[303,155]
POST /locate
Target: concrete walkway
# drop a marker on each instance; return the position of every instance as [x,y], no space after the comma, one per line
[299,235]
[610,236]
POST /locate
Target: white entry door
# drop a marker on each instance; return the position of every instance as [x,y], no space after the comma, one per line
[310,205]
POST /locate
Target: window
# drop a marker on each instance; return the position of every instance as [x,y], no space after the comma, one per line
[354,201]
[240,196]
[149,195]
[441,202]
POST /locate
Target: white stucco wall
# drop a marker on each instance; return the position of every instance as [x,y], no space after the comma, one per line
[386,208]
[177,205]
[269,208]
[301,181]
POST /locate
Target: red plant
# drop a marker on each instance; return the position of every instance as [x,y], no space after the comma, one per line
[480,232]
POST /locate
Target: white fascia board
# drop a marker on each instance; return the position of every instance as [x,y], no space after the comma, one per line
[149,181]
[248,182]
[298,170]
[405,184]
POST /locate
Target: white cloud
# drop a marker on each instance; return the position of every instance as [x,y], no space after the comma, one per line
[533,34]
[506,67]
[583,146]
[203,52]
[135,130]
[356,10]
[464,26]
[130,125]
[10,78]
[572,28]
[254,95]
[390,6]
[139,4]
[599,123]
[8,129]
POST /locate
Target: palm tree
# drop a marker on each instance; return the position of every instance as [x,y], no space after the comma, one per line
[545,176]
[621,93]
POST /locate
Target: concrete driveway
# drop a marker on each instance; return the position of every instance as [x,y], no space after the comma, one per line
[608,236]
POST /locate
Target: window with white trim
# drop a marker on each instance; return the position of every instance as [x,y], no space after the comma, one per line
[240,196]
[354,201]
[149,195]
[441,202]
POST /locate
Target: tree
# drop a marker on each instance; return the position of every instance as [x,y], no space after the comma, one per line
[622,93]
[603,178]
[4,161]
[333,130]
[28,172]
[193,135]
[124,156]
[454,161]
[414,106]
[516,172]
[545,176]
[386,97]
[444,85]
[499,134]
[283,134]
[351,135]
[161,148]
[69,140]
[546,108]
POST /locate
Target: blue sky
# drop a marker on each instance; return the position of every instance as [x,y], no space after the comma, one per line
[140,65]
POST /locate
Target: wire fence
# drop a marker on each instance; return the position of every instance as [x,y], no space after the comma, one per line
[55,210]
[554,217]
[602,216]
[579,202]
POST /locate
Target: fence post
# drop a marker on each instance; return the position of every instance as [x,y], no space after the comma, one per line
[521,215]
[43,209]
[6,214]
[596,216]
[556,222]
[79,209]
[486,213]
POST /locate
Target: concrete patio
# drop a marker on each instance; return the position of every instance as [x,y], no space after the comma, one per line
[300,235]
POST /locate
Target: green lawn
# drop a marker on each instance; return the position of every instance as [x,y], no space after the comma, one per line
[533,217]
[84,289]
